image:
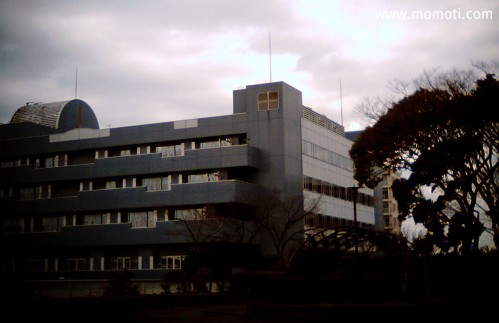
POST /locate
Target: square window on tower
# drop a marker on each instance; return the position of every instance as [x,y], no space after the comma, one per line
[268,101]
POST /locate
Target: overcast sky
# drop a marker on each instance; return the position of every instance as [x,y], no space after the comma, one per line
[163,60]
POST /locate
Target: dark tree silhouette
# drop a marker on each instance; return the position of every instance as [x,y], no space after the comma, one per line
[445,134]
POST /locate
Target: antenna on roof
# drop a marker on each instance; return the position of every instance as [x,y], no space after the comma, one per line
[341,104]
[270,57]
[76,82]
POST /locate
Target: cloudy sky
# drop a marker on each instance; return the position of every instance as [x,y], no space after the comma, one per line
[162,60]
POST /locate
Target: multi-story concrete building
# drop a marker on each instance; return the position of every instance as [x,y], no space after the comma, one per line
[391,222]
[385,205]
[78,202]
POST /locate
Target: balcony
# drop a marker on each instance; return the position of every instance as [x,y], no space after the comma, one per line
[230,191]
[209,158]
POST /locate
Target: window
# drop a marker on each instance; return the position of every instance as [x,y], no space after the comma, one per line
[385,180]
[326,155]
[129,182]
[114,217]
[92,219]
[6,192]
[125,152]
[75,264]
[9,163]
[171,262]
[13,225]
[143,219]
[386,207]
[49,162]
[110,184]
[176,179]
[203,178]
[101,153]
[86,186]
[157,183]
[385,193]
[191,214]
[123,263]
[268,101]
[138,219]
[386,219]
[50,224]
[171,151]
[123,217]
[197,178]
[61,160]
[106,218]
[210,144]
[162,215]
[311,219]
[42,192]
[329,189]
[34,265]
[27,193]
[69,220]
[142,150]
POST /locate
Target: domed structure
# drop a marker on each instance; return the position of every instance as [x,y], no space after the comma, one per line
[63,116]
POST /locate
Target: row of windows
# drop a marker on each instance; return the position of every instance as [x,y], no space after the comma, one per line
[390,221]
[389,207]
[328,222]
[326,155]
[136,219]
[329,189]
[102,263]
[386,193]
[89,157]
[157,183]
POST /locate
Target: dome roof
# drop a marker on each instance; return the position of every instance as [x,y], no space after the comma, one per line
[64,115]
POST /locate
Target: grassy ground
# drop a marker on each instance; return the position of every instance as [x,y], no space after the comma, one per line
[224,309]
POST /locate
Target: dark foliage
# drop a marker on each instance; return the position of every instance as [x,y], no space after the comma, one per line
[447,139]
[120,285]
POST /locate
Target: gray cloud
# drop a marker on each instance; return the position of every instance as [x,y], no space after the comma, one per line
[153,61]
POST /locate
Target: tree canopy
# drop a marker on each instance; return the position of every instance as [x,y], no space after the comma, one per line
[445,135]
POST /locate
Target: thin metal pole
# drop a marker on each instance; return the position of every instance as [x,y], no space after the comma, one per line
[356,224]
[76,83]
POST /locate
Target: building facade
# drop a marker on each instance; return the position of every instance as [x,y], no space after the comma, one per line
[391,222]
[78,202]
[386,213]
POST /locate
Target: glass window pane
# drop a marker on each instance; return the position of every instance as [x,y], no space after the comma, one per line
[164,183]
[262,106]
[138,219]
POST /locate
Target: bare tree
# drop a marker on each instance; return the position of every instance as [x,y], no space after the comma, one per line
[278,224]
[199,229]
[455,82]
[370,110]
[282,222]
